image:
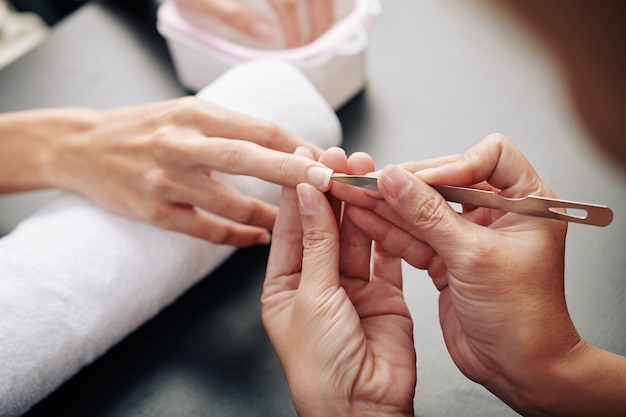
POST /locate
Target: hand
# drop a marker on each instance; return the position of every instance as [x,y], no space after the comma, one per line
[501,276]
[341,329]
[153,163]
[246,20]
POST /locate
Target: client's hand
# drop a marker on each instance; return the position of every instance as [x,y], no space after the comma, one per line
[153,163]
[241,17]
[334,310]
[502,303]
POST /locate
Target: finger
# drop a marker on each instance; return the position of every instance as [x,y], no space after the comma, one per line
[216,121]
[425,212]
[335,158]
[320,17]
[320,258]
[194,222]
[287,13]
[495,160]
[355,250]
[225,201]
[246,158]
[285,258]
[360,163]
[386,266]
[415,166]
[391,238]
[356,247]
[233,14]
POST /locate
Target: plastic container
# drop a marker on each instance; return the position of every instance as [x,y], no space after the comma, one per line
[334,62]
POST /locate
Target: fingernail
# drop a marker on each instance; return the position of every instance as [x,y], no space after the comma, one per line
[394,180]
[262,30]
[319,176]
[307,199]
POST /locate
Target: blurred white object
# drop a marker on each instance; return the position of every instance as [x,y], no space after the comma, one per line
[19,33]
[75,279]
[202,48]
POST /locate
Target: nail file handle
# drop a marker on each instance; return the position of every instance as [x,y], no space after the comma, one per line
[553,208]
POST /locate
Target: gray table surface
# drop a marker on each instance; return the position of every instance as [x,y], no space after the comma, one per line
[441,75]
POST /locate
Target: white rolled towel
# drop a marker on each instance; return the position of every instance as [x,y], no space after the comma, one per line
[75,280]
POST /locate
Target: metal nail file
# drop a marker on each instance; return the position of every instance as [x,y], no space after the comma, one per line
[592,214]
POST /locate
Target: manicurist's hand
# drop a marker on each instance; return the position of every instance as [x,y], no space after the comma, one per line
[153,163]
[501,276]
[334,310]
[245,19]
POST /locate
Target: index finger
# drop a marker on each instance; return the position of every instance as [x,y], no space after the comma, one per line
[247,158]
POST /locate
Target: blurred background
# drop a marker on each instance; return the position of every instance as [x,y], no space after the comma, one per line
[25,23]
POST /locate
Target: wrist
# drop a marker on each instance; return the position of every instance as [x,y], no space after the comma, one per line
[36,145]
[346,408]
[341,411]
[584,381]
[70,143]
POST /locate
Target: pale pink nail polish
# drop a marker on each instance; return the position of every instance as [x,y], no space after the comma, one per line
[307,200]
[319,176]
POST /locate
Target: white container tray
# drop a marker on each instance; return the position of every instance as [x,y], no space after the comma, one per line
[334,62]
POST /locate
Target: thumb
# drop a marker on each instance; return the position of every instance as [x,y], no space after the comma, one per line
[320,241]
[425,213]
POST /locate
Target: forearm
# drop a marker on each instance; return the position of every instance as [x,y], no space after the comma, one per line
[33,142]
[591,382]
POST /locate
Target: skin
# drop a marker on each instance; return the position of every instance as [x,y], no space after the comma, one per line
[248,21]
[493,307]
[504,317]
[153,163]
[340,326]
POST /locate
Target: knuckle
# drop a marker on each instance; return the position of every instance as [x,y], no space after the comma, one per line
[317,239]
[184,110]
[285,168]
[160,140]
[222,235]
[157,183]
[233,153]
[268,133]
[248,213]
[429,212]
[157,215]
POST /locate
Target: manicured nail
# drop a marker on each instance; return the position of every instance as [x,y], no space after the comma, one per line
[395,181]
[319,176]
[262,30]
[307,199]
